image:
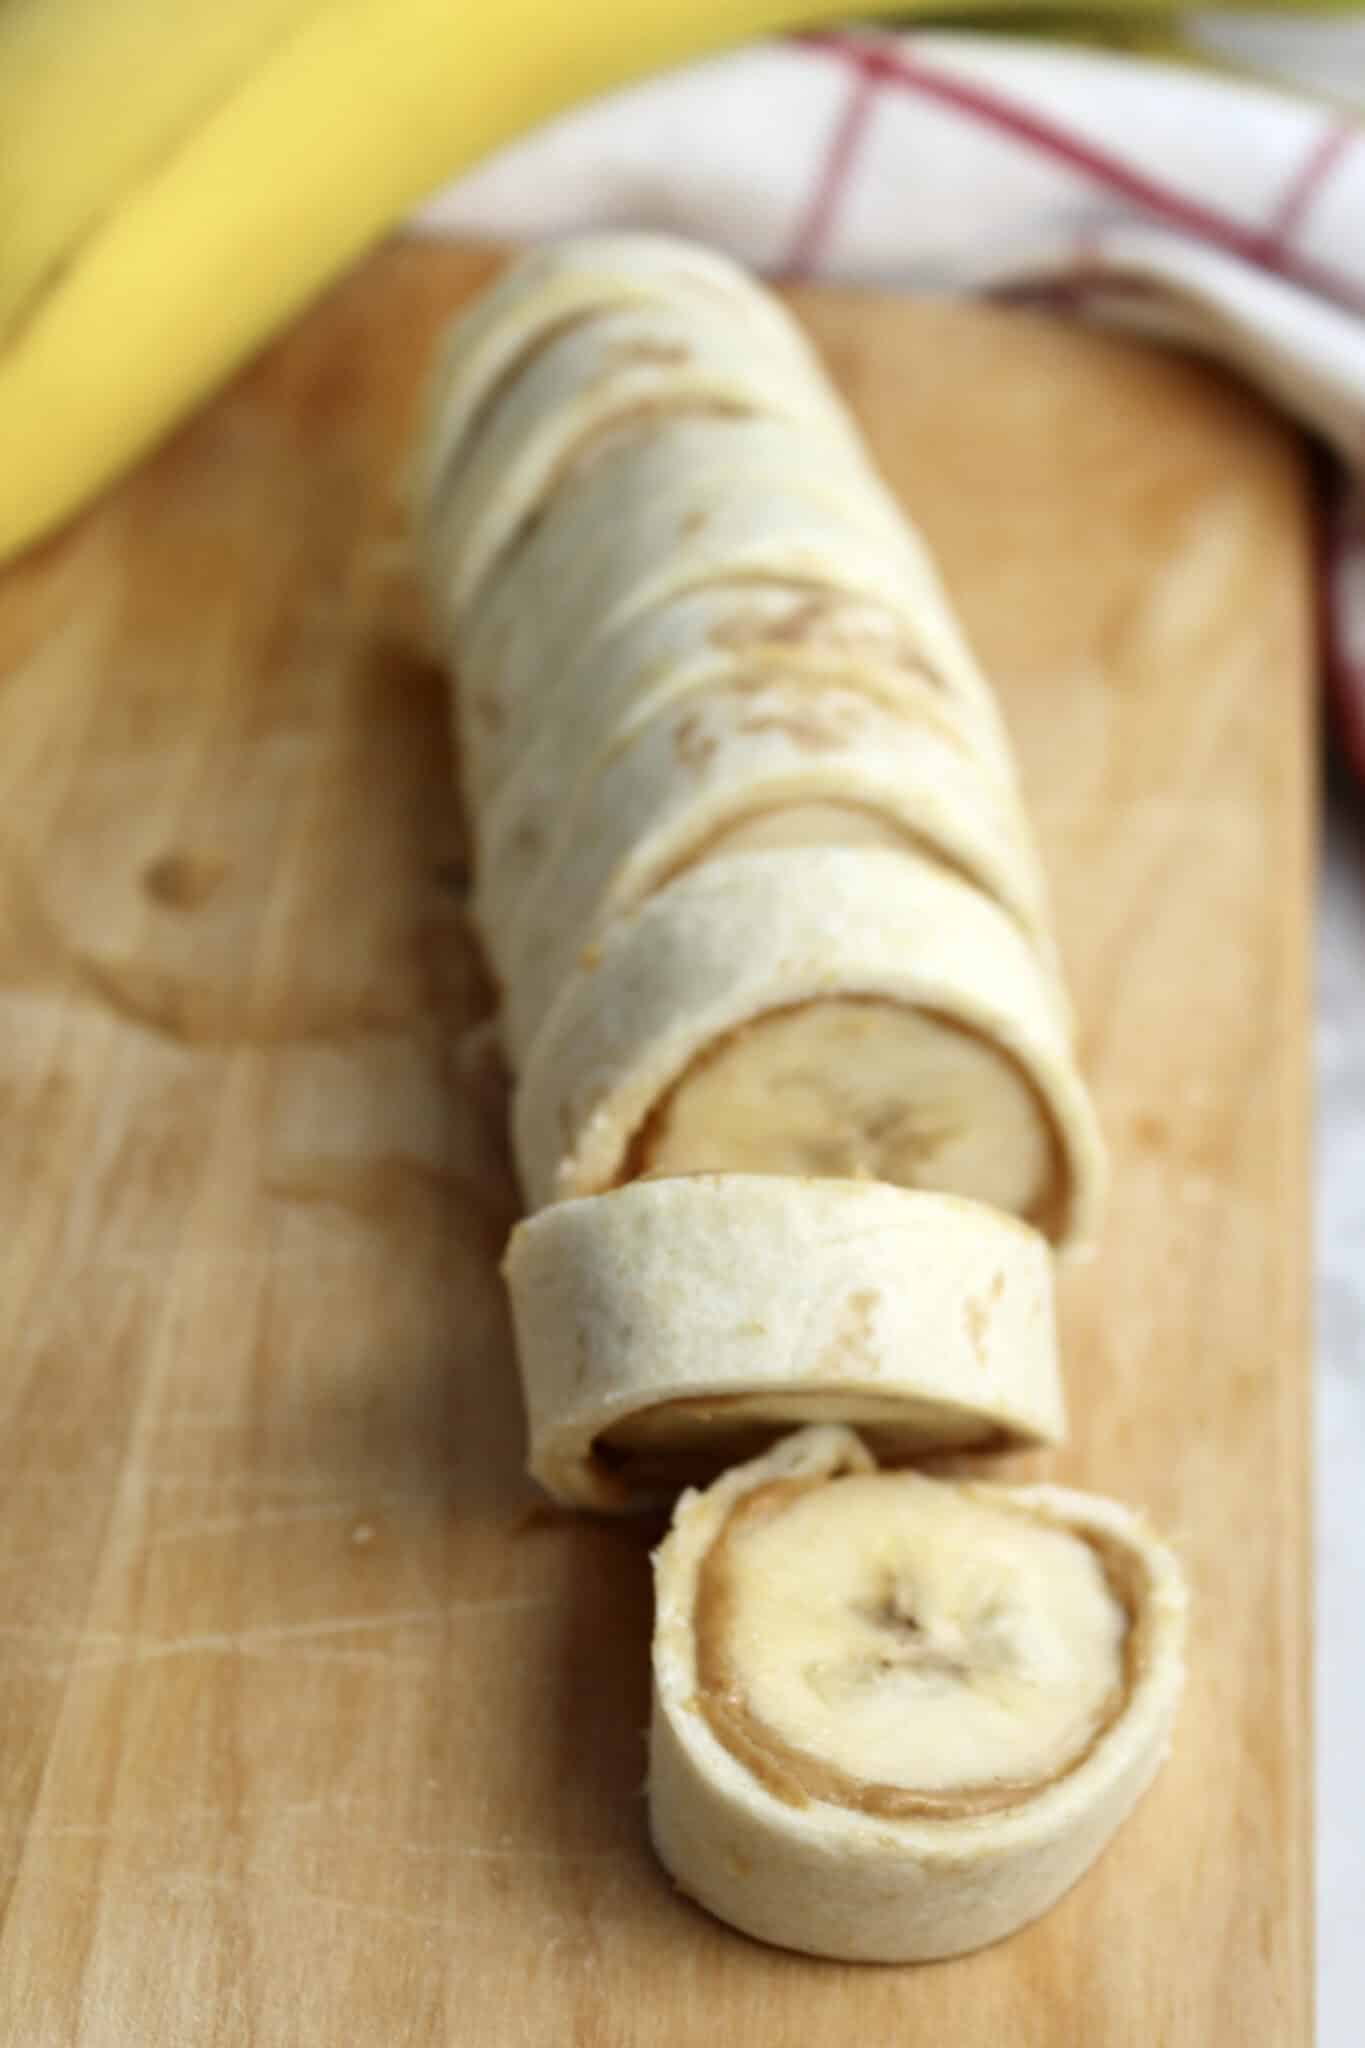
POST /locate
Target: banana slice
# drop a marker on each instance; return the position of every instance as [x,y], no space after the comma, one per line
[847,1086]
[712,761]
[672,1326]
[896,1719]
[821,1010]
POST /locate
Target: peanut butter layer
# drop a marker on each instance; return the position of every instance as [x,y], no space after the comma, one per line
[687,1441]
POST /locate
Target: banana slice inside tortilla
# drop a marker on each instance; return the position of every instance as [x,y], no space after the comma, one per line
[856,1087]
[814,1010]
[909,1645]
[895,1718]
[672,1326]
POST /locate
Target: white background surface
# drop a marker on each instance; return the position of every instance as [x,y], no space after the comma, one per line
[1340,1431]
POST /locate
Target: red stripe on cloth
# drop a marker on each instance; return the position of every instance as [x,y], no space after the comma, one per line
[832,178]
[1308,180]
[1164,203]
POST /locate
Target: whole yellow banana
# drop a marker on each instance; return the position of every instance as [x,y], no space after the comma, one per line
[177,177]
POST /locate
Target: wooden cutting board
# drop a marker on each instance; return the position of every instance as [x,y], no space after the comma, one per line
[316,1726]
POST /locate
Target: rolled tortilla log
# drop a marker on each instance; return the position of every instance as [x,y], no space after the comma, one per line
[671,1326]
[682,505]
[741,633]
[618,374]
[553,777]
[896,1719]
[843,1011]
[562,283]
[717,760]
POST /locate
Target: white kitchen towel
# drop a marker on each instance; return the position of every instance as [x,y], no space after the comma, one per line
[1175,201]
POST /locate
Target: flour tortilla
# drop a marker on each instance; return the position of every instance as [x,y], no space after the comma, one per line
[669,512]
[564,281]
[617,373]
[741,633]
[712,760]
[662,1324]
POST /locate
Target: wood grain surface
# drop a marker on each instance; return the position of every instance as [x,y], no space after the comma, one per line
[314,1726]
